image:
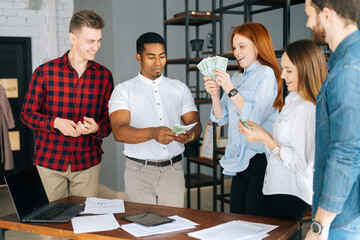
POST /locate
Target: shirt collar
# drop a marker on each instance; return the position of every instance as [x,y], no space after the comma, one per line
[341,48]
[66,62]
[149,81]
[248,70]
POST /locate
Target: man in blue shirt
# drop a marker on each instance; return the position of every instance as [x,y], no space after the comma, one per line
[336,201]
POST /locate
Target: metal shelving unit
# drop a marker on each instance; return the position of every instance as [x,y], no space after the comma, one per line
[218,10]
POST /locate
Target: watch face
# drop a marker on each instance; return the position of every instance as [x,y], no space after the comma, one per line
[232,92]
[316,227]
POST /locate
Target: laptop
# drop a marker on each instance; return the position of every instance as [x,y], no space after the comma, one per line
[31,202]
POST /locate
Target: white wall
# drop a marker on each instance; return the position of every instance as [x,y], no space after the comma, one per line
[47,27]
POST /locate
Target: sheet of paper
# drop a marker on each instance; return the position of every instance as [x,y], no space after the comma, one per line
[103,206]
[237,230]
[139,230]
[95,223]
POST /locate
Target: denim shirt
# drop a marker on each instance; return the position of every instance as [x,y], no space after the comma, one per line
[258,86]
[337,137]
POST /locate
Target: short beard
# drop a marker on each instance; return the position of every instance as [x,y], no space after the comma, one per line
[319,33]
[156,76]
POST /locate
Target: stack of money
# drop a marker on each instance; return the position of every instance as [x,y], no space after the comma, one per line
[207,65]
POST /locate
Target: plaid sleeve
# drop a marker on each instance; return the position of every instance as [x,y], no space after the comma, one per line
[104,123]
[31,114]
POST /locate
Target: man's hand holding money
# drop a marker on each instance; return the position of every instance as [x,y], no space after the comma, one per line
[163,135]
[185,137]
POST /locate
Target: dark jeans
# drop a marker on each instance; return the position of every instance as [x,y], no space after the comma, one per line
[284,206]
[246,195]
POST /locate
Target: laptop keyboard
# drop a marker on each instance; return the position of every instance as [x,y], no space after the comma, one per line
[54,211]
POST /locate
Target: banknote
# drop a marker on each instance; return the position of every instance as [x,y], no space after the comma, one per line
[243,121]
[207,65]
[181,128]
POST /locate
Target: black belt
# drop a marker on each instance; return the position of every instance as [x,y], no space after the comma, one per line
[157,163]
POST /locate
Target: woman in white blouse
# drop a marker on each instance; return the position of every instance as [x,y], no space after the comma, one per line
[288,179]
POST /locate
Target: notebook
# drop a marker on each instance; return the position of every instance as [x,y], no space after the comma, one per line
[31,202]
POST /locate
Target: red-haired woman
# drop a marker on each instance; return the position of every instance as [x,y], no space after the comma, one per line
[255,93]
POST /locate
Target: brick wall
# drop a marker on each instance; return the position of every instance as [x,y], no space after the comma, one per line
[47,26]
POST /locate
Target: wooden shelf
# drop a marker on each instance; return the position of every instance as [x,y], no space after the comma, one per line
[183,60]
[200,180]
[282,1]
[220,150]
[230,56]
[202,161]
[202,100]
[229,67]
[193,21]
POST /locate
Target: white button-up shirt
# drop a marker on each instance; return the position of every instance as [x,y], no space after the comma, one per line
[294,130]
[153,103]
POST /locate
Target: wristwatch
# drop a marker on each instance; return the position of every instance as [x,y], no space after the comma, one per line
[318,229]
[276,150]
[232,92]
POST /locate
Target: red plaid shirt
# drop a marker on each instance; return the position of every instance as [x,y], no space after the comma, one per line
[56,91]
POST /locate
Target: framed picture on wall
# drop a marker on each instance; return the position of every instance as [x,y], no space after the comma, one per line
[207,146]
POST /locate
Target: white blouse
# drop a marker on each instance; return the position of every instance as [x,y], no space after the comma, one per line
[294,131]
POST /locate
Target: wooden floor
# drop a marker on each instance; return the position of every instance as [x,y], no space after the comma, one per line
[6,207]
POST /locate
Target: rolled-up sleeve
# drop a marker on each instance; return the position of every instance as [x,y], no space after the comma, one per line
[224,119]
[119,99]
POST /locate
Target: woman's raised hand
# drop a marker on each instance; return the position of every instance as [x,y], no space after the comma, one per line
[211,87]
[223,79]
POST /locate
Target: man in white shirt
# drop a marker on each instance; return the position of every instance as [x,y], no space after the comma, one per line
[143,110]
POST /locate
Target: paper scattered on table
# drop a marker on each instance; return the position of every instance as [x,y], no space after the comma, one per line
[103,206]
[237,230]
[181,128]
[95,223]
[139,230]
[207,65]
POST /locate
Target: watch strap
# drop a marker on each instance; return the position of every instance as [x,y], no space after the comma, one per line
[232,92]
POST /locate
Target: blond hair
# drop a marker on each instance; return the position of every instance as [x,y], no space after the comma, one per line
[87,18]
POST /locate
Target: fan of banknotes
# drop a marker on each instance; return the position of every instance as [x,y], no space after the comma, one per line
[207,65]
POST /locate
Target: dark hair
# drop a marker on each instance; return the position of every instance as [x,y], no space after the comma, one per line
[347,9]
[87,18]
[149,37]
[310,63]
[259,35]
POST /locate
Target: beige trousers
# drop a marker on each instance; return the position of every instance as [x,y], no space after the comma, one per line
[63,184]
[154,185]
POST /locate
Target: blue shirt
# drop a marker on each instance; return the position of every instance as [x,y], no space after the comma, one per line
[258,87]
[337,137]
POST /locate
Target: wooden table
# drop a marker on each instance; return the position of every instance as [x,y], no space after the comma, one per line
[206,219]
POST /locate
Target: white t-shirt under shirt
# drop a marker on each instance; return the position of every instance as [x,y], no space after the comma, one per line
[152,103]
[294,131]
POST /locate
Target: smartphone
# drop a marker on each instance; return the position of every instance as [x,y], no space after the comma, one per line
[243,121]
[148,219]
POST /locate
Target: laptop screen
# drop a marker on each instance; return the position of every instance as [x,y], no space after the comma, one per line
[27,191]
